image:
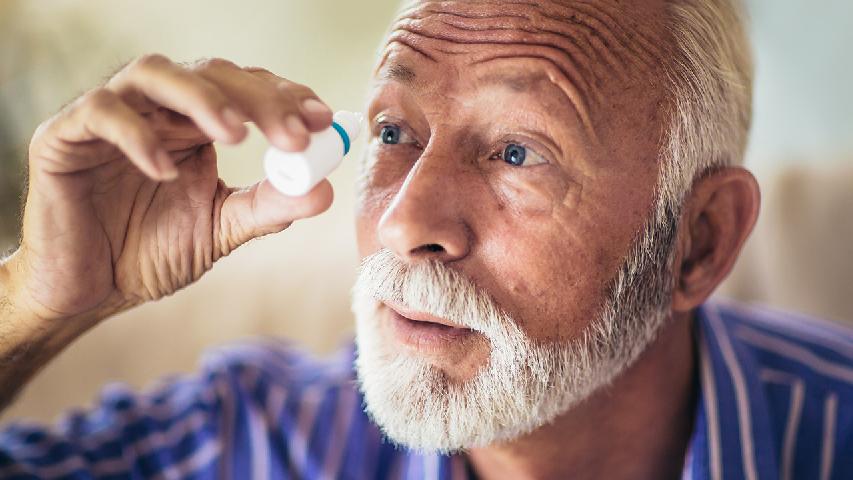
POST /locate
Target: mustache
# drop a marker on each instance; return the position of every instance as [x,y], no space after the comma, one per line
[431,287]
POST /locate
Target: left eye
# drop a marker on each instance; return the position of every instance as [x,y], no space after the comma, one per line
[518,155]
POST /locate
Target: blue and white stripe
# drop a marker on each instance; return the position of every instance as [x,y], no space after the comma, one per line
[776,401]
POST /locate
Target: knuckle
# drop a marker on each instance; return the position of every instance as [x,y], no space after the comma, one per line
[97,100]
[41,132]
[260,72]
[144,64]
[151,60]
[282,101]
[211,64]
[300,91]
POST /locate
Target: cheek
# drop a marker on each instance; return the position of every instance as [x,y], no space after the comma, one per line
[382,172]
[532,192]
[553,285]
[545,255]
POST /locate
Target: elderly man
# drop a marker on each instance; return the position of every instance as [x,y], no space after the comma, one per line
[550,195]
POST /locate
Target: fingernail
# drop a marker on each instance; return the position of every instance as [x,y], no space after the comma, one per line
[312,105]
[231,117]
[295,126]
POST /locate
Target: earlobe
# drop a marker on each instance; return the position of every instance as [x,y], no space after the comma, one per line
[717,218]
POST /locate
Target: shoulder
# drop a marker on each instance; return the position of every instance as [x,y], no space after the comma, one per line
[795,375]
[818,351]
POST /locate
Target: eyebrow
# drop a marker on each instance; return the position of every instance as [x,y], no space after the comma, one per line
[400,73]
[519,82]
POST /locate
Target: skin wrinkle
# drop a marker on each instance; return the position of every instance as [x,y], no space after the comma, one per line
[473,17]
[398,36]
[648,47]
[594,19]
[406,75]
[612,34]
[597,40]
[564,84]
[574,56]
[504,37]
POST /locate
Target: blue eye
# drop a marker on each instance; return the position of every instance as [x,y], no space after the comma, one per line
[514,154]
[390,134]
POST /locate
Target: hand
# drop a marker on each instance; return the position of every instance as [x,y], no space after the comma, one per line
[125,204]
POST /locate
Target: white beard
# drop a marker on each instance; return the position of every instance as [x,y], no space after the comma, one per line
[525,384]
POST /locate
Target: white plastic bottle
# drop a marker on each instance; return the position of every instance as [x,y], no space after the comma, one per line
[296,173]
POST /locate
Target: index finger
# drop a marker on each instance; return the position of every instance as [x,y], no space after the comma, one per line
[266,100]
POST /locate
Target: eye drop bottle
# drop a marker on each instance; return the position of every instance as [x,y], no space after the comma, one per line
[296,173]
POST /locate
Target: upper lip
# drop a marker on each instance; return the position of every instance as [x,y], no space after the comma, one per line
[420,316]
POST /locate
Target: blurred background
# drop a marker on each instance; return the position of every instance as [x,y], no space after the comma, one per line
[296,284]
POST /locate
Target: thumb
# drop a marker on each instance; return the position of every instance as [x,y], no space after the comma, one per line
[261,209]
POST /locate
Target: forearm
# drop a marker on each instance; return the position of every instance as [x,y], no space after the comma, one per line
[27,340]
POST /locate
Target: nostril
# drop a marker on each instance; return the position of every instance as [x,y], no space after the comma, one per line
[430,248]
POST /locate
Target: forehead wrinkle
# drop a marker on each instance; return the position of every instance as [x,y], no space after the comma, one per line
[544,29]
[598,15]
[454,39]
[562,81]
[603,31]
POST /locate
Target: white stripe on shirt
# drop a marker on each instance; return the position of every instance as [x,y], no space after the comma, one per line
[340,433]
[795,352]
[744,414]
[710,397]
[200,458]
[794,412]
[830,409]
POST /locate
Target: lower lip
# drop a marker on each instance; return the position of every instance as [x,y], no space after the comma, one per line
[426,336]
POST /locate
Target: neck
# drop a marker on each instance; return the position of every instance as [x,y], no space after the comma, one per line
[638,427]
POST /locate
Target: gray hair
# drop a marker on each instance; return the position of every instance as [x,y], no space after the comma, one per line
[710,88]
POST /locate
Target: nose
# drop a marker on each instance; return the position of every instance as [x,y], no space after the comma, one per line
[425,220]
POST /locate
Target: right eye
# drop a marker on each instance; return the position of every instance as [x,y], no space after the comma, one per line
[390,134]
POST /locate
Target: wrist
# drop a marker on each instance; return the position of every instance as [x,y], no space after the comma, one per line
[19,309]
[15,311]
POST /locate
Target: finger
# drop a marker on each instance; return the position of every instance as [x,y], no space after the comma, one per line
[315,113]
[260,210]
[275,111]
[178,89]
[101,114]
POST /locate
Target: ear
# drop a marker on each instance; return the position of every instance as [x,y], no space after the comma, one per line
[718,216]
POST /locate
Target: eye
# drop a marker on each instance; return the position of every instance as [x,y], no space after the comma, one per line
[519,155]
[515,154]
[390,134]
[394,134]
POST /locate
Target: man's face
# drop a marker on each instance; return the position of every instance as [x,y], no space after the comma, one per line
[517,146]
